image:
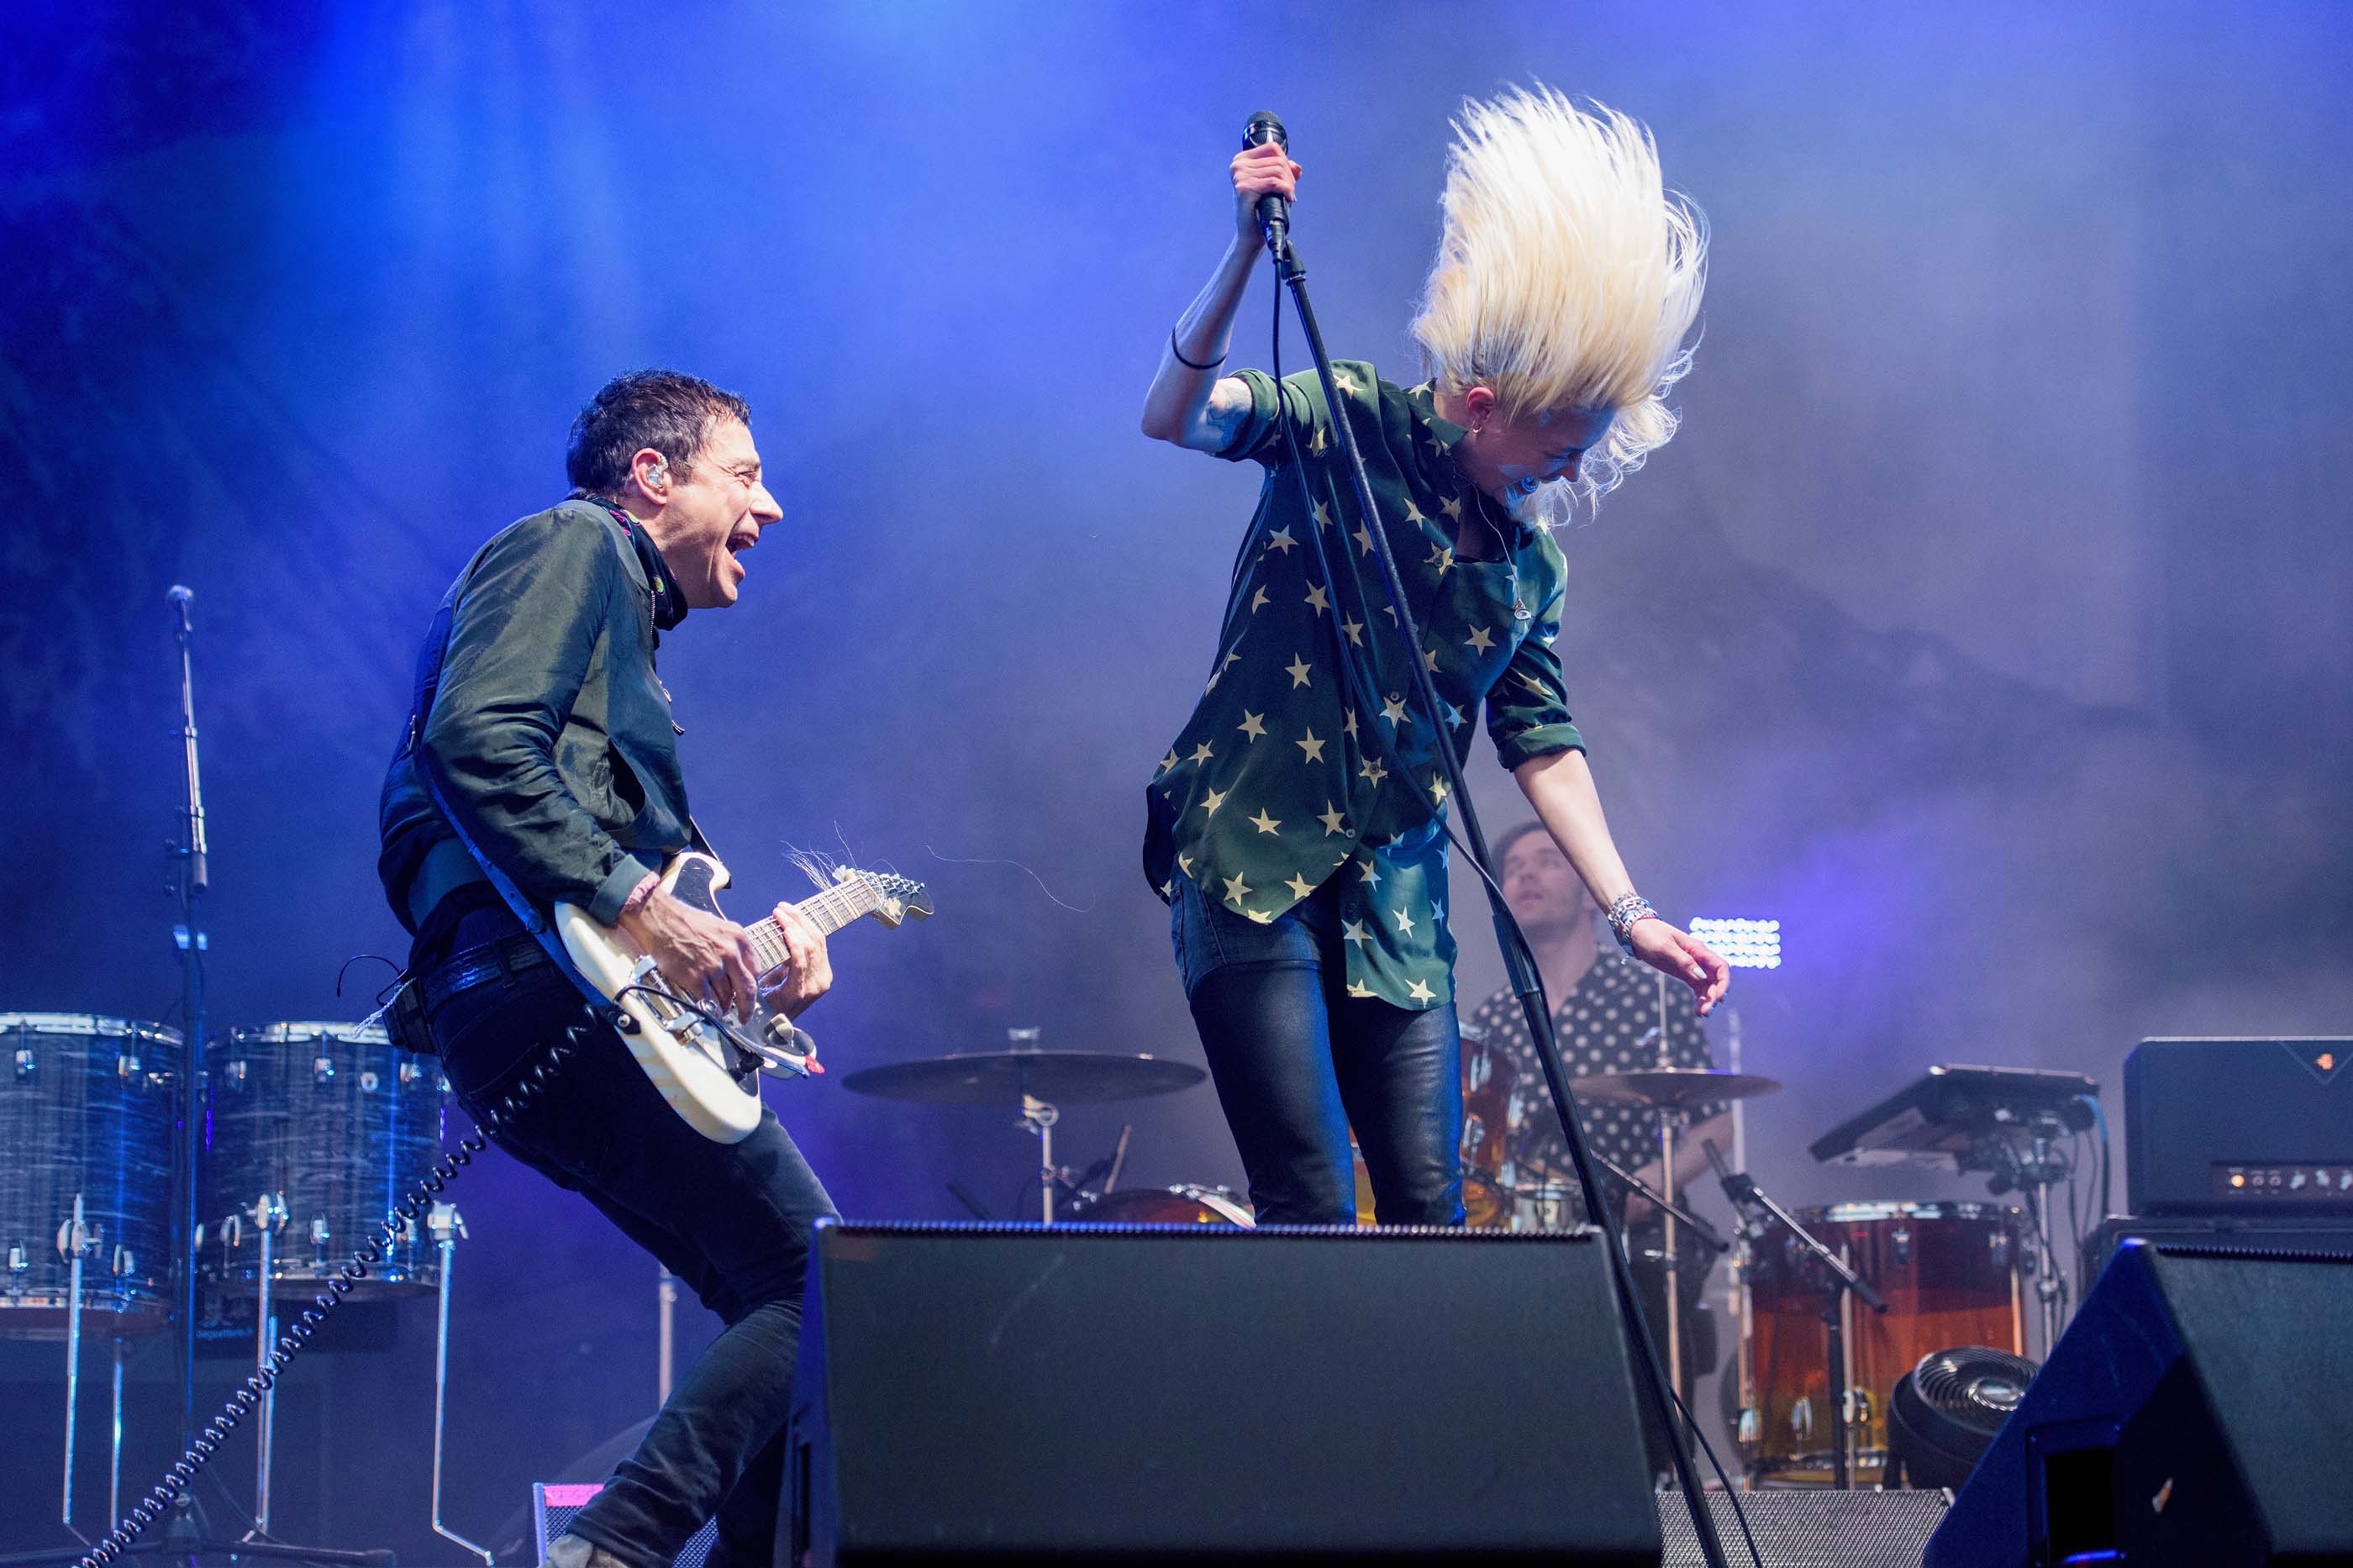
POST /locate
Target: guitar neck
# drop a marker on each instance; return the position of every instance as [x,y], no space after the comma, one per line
[829,910]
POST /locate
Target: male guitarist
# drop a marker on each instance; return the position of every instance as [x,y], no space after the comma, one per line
[550,741]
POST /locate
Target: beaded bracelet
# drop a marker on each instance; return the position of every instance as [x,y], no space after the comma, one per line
[1625,912]
[1188,364]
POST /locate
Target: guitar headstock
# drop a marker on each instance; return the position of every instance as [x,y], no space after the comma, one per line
[897,900]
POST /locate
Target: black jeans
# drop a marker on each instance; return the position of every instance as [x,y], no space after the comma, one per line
[1298,1061]
[733,1220]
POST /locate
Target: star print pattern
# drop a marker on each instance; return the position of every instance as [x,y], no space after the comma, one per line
[1600,1024]
[1344,802]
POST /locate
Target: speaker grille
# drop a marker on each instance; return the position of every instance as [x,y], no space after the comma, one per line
[1810,1529]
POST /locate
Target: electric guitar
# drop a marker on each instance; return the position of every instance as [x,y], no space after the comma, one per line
[708,1071]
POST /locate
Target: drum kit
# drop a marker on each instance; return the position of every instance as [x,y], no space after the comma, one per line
[312,1131]
[1836,1304]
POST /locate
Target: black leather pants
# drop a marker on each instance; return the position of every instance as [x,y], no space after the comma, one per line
[1298,1062]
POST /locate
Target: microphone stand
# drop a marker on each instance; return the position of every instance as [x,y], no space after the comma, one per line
[1707,1235]
[193,881]
[1743,1190]
[185,1533]
[1526,984]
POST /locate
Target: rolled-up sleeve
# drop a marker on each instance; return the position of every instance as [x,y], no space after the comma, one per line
[1527,708]
[1296,400]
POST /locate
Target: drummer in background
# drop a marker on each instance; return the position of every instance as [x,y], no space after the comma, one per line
[1605,1013]
[1603,1007]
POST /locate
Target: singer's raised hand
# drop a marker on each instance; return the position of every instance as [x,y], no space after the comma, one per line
[1261,171]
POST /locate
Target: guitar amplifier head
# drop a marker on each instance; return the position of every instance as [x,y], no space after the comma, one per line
[553,1504]
[2239,1127]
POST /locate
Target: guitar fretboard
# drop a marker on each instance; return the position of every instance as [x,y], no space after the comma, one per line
[829,910]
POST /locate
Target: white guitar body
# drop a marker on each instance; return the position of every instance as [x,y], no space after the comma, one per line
[709,1071]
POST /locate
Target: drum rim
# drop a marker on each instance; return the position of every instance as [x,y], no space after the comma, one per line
[1217,1200]
[283,1033]
[1866,1211]
[124,1029]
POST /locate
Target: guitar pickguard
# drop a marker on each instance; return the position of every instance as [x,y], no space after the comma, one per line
[694,880]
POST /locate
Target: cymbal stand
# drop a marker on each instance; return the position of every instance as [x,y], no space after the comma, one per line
[445,1226]
[1743,1190]
[1668,1262]
[1743,1260]
[1039,1118]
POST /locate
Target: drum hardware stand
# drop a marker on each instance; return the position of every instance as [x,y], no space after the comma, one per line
[1743,1190]
[446,1227]
[1518,962]
[2033,1174]
[268,1215]
[77,1241]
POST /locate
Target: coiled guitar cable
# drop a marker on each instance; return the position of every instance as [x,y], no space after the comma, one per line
[404,1214]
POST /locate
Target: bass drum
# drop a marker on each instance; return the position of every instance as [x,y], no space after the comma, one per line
[1950,1274]
[87,1108]
[330,1125]
[1164,1206]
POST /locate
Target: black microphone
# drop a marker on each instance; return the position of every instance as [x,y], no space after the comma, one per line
[1274,212]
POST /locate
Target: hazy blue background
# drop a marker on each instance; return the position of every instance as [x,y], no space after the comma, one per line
[1987,625]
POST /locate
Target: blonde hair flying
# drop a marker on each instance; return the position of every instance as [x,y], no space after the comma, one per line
[1567,275]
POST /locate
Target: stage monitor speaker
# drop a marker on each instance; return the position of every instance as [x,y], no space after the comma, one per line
[2194,1412]
[1082,1395]
[2239,1126]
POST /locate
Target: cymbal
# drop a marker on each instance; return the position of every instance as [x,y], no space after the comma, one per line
[1002,1077]
[1671,1089]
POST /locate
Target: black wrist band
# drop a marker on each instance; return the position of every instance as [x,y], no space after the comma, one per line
[1188,364]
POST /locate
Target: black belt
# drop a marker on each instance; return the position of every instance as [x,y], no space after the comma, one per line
[478,965]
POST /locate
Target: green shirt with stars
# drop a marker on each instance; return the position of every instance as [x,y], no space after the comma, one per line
[1276,784]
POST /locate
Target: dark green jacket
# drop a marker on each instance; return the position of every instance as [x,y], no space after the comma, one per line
[550,735]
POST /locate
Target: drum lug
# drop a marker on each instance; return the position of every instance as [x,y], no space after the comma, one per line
[1801,1420]
[1998,1243]
[409,1073]
[235,1072]
[1901,1240]
[1750,1423]
[322,1070]
[126,1067]
[124,1263]
[17,1265]
[26,1061]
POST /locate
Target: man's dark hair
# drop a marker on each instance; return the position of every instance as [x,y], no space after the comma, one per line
[671,412]
[1509,836]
